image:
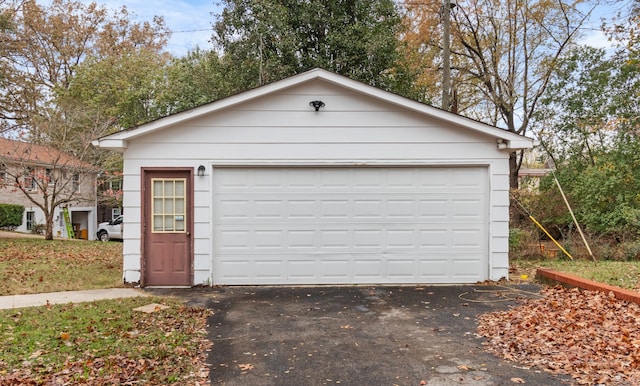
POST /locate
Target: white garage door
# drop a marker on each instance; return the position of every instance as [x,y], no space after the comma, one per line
[350,225]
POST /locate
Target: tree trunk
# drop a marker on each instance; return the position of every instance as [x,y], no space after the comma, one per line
[514,167]
[48,226]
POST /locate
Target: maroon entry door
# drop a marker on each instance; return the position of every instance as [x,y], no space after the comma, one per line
[167,222]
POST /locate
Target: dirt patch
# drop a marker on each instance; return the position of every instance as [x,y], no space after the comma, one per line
[18,235]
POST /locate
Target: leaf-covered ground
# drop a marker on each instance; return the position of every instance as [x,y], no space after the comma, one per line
[104,343]
[589,335]
[29,265]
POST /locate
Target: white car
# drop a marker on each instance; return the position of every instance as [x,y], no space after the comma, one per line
[111,230]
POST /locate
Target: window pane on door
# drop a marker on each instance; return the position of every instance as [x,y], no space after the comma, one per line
[169,197]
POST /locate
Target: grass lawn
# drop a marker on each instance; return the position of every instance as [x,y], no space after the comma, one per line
[104,343]
[29,265]
[624,274]
[99,343]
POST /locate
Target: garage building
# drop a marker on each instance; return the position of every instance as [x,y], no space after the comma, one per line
[315,179]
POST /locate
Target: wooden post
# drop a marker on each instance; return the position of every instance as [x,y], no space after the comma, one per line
[446,54]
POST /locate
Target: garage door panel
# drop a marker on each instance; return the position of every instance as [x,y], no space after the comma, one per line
[356,210]
[269,269]
[400,239]
[367,209]
[235,269]
[267,179]
[231,240]
[302,239]
[434,209]
[268,239]
[434,270]
[336,268]
[401,208]
[358,268]
[233,209]
[435,179]
[401,269]
[368,268]
[302,270]
[334,179]
[301,209]
[368,239]
[465,268]
[357,237]
[467,179]
[434,239]
[368,178]
[335,239]
[349,225]
[401,178]
[334,208]
[467,238]
[267,209]
[464,210]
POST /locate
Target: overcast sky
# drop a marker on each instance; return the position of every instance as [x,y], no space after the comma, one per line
[191,20]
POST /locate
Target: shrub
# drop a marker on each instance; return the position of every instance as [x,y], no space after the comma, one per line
[515,238]
[38,229]
[11,216]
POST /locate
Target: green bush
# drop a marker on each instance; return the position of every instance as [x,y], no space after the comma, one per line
[515,238]
[631,250]
[11,216]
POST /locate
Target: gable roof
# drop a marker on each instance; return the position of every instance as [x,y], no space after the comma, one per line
[12,151]
[506,139]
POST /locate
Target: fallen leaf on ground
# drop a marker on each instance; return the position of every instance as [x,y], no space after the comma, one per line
[589,335]
[517,380]
[246,366]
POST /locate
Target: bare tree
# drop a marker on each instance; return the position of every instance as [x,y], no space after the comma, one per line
[503,55]
[47,177]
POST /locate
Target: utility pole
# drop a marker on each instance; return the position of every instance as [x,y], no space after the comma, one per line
[446,54]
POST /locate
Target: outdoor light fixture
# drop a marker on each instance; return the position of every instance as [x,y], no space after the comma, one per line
[502,144]
[316,104]
[201,170]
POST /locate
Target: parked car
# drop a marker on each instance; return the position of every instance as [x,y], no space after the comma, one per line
[111,230]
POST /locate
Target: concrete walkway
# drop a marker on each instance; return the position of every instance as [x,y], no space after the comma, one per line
[35,300]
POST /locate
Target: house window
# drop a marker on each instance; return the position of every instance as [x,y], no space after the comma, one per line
[115,212]
[31,220]
[29,181]
[168,205]
[48,175]
[75,183]
[115,185]
[3,173]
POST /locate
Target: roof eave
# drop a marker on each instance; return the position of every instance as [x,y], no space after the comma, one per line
[108,143]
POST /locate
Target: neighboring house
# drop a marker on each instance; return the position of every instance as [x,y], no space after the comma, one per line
[38,167]
[109,196]
[529,178]
[315,179]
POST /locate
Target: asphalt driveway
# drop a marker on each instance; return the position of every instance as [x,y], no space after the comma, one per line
[357,335]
